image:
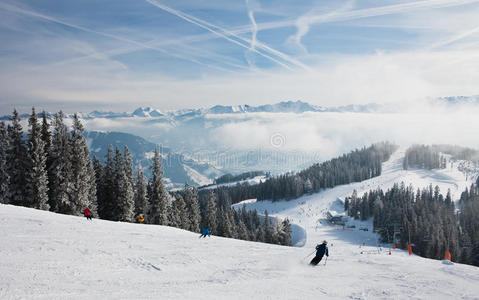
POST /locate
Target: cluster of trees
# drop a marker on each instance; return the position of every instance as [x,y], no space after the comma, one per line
[458,152]
[52,170]
[355,166]
[48,170]
[424,157]
[426,218]
[227,178]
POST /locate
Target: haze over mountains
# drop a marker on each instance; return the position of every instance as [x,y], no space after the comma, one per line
[201,144]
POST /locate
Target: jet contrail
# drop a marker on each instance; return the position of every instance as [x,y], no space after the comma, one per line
[455,38]
[368,12]
[31,13]
[228,34]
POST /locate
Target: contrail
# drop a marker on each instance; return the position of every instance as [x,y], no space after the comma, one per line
[254,26]
[108,35]
[228,34]
[455,38]
[368,12]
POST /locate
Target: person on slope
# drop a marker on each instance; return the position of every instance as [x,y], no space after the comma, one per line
[87,214]
[205,231]
[321,249]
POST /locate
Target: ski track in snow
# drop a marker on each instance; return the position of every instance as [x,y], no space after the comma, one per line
[53,256]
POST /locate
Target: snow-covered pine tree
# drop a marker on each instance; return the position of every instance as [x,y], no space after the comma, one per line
[61,170]
[157,196]
[242,231]
[192,207]
[224,225]
[124,200]
[99,185]
[140,192]
[268,229]
[285,233]
[37,177]
[81,171]
[211,212]
[181,217]
[4,177]
[129,167]
[107,208]
[47,141]
[232,221]
[17,162]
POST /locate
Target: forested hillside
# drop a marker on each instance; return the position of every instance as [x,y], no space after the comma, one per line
[51,170]
[426,218]
[358,165]
[424,157]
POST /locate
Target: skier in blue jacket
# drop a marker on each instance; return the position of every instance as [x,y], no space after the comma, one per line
[321,249]
[205,231]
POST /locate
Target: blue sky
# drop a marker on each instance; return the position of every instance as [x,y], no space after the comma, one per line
[118,55]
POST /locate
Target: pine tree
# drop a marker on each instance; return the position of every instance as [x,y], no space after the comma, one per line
[129,167]
[193,208]
[285,233]
[157,196]
[181,214]
[47,141]
[268,229]
[124,205]
[242,231]
[100,185]
[37,177]
[224,225]
[140,193]
[61,169]
[17,162]
[81,171]
[4,176]
[210,216]
[107,208]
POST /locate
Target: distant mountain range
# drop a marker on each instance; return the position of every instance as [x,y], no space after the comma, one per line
[199,145]
[296,107]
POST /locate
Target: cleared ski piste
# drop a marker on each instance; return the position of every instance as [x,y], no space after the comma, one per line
[52,256]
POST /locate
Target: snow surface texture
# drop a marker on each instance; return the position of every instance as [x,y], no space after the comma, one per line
[52,256]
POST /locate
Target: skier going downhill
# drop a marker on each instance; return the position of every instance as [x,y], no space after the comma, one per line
[321,249]
[205,232]
[87,214]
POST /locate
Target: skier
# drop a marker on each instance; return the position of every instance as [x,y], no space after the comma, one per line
[140,218]
[321,249]
[205,231]
[87,214]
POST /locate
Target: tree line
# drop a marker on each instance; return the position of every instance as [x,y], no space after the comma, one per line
[358,165]
[424,157]
[51,169]
[227,178]
[426,217]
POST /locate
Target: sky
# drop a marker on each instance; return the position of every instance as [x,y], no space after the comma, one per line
[118,55]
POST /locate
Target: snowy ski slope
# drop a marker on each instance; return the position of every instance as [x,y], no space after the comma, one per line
[51,256]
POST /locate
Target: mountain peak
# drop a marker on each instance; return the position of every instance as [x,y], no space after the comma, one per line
[146,112]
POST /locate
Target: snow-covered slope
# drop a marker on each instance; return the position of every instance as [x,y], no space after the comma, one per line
[52,256]
[308,210]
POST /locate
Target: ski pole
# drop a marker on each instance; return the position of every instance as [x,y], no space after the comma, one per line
[326,260]
[309,255]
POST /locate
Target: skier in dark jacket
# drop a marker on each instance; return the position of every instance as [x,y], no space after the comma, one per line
[205,231]
[87,214]
[321,249]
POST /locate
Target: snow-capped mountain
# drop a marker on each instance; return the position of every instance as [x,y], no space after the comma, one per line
[280,137]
